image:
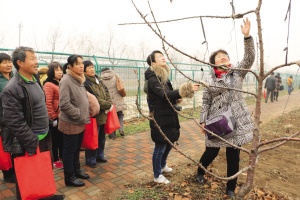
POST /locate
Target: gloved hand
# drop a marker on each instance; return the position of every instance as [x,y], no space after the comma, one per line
[112,106]
[110,109]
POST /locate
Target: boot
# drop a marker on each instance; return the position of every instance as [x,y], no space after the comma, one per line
[200,179]
[79,173]
[122,133]
[71,180]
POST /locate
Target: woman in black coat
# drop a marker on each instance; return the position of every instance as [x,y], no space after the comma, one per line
[164,114]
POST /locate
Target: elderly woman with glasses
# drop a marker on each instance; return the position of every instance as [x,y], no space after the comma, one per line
[216,101]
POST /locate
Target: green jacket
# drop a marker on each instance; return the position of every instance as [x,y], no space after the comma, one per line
[102,95]
[3,82]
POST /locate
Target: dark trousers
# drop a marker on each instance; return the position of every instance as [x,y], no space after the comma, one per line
[276,96]
[92,155]
[268,93]
[159,158]
[233,158]
[10,172]
[57,142]
[45,145]
[71,150]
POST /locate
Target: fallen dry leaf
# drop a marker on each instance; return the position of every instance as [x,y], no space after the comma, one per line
[259,193]
[131,191]
[178,197]
[214,186]
[171,194]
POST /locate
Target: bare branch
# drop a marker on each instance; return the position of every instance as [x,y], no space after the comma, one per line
[164,41]
[179,151]
[247,70]
[284,65]
[237,16]
[291,138]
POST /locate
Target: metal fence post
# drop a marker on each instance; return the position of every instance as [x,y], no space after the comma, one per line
[96,64]
[194,95]
[140,91]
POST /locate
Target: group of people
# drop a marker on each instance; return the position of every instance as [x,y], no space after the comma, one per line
[273,86]
[51,113]
[68,98]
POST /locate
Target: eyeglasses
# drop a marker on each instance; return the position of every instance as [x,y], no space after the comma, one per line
[222,56]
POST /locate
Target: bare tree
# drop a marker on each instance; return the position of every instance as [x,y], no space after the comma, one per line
[114,47]
[258,147]
[55,41]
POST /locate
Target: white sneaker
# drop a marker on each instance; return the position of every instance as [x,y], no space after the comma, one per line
[161,179]
[166,169]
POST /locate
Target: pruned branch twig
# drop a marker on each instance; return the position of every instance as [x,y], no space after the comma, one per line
[283,139]
[279,66]
[220,138]
[164,41]
[237,16]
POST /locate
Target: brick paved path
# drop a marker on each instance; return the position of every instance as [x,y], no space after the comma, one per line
[130,157]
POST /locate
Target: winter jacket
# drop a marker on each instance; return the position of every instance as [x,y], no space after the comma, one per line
[110,81]
[17,137]
[102,95]
[164,114]
[215,100]
[3,82]
[43,74]
[278,83]
[51,88]
[289,81]
[73,100]
[270,83]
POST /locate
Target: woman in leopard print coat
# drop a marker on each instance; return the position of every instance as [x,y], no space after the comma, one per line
[216,100]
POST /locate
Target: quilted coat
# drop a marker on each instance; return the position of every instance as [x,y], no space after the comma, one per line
[52,97]
[215,100]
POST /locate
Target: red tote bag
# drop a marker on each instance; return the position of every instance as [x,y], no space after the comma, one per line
[90,136]
[34,175]
[112,123]
[5,159]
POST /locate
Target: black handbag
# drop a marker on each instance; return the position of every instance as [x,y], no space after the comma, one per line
[281,87]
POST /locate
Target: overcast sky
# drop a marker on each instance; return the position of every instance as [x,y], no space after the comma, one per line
[92,17]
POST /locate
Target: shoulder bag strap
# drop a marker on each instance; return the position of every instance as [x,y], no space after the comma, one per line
[231,86]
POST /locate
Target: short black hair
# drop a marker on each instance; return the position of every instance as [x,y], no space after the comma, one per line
[4,56]
[73,59]
[51,71]
[272,73]
[151,57]
[20,54]
[65,67]
[104,69]
[213,55]
[86,64]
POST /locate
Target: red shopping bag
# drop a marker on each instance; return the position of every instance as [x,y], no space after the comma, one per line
[5,159]
[112,123]
[90,136]
[34,175]
[264,94]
